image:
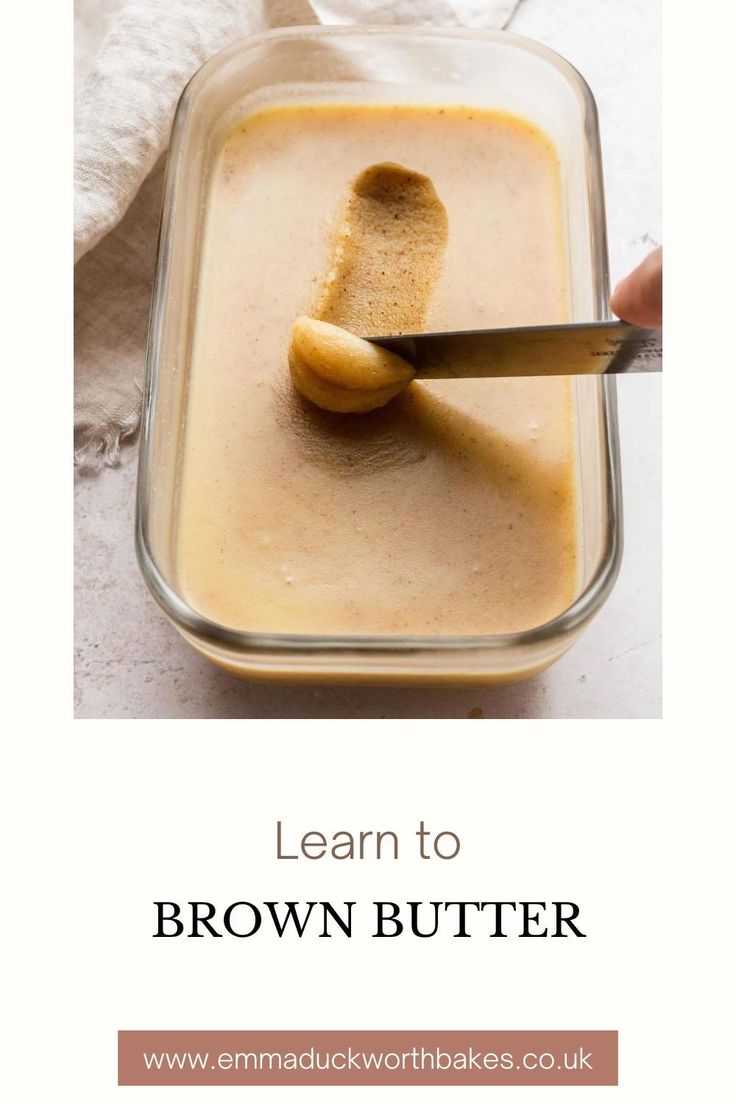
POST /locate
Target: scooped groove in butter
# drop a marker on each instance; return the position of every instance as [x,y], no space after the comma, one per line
[387,255]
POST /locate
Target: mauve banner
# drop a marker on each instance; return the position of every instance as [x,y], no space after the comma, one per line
[368,1058]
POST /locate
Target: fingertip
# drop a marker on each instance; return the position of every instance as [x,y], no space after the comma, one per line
[616,301]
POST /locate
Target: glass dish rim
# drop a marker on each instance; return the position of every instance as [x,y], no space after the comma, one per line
[592,597]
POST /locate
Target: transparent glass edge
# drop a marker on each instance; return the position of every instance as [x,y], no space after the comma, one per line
[584,608]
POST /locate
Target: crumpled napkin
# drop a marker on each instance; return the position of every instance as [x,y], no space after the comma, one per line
[133,58]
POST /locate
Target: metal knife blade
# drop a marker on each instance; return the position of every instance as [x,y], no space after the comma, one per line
[577,348]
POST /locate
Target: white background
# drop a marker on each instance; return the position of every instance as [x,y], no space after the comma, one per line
[131,662]
[632,819]
[597,817]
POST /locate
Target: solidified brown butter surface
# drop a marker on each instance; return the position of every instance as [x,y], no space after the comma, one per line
[452,509]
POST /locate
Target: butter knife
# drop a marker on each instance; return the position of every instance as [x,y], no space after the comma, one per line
[577,348]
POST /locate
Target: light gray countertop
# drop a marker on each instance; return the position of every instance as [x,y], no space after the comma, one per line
[131,663]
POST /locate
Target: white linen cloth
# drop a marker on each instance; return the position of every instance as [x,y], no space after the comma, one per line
[133,58]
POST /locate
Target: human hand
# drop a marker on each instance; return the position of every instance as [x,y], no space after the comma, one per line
[638,298]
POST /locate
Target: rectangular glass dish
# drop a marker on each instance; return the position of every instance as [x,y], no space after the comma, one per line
[371,66]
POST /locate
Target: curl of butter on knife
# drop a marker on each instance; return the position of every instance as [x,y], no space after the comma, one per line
[341,371]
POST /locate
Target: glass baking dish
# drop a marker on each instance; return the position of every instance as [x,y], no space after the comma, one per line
[370,64]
